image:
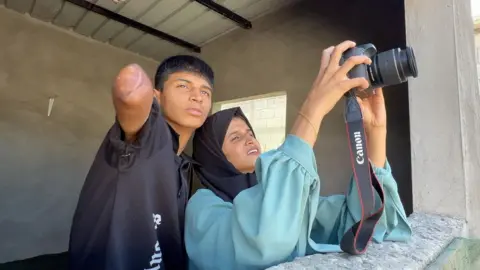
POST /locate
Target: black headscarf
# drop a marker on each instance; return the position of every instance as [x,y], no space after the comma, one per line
[215,171]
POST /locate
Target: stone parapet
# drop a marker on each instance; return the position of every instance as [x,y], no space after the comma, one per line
[432,234]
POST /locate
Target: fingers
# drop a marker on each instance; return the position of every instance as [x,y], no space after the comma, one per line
[337,54]
[325,59]
[350,63]
[361,104]
[339,50]
[349,84]
[379,92]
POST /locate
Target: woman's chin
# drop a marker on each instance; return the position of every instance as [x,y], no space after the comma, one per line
[247,164]
[253,161]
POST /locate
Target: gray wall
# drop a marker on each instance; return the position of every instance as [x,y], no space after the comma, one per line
[44,160]
[477,53]
[282,53]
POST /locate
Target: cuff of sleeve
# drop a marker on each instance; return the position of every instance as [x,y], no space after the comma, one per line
[115,134]
[299,150]
[386,170]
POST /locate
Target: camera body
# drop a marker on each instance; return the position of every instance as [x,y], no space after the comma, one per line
[388,68]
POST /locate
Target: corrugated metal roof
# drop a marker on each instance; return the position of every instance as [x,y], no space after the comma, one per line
[185,19]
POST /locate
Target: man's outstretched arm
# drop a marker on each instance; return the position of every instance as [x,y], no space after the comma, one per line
[132,96]
[114,223]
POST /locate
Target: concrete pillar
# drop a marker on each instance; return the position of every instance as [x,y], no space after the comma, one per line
[444,110]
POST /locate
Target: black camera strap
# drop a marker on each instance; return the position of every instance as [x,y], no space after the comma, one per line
[356,239]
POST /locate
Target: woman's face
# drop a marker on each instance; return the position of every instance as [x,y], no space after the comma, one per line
[240,146]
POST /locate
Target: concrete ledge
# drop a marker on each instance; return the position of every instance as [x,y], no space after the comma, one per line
[431,235]
[460,254]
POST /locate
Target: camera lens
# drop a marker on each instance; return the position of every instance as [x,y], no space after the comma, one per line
[393,67]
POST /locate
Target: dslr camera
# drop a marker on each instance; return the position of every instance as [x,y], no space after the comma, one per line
[388,68]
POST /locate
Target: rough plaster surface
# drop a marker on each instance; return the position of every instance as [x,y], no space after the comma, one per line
[44,160]
[477,54]
[444,110]
[431,234]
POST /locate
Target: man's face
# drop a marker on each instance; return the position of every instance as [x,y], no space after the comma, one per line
[186,99]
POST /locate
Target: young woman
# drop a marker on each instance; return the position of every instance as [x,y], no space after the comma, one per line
[262,210]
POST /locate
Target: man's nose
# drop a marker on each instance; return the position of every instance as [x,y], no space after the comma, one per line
[196,95]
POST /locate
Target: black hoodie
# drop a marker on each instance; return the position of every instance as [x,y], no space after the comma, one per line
[130,214]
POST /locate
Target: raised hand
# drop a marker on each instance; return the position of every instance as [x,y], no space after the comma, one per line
[374,111]
[332,81]
[328,88]
[375,123]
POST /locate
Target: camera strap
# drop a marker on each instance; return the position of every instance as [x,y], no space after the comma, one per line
[356,239]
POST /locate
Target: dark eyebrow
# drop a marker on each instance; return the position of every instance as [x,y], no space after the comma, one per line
[187,81]
[231,133]
[236,131]
[184,80]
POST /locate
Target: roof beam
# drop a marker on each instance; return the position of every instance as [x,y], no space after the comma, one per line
[132,23]
[227,13]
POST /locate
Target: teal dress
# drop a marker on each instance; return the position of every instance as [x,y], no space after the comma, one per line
[282,217]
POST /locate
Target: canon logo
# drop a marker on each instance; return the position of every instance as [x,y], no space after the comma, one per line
[358,147]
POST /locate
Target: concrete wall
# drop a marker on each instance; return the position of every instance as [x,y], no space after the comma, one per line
[446,98]
[477,47]
[44,160]
[282,53]
[477,54]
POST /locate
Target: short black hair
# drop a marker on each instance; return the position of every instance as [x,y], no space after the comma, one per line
[182,63]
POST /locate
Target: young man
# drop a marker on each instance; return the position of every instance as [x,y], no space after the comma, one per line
[130,214]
